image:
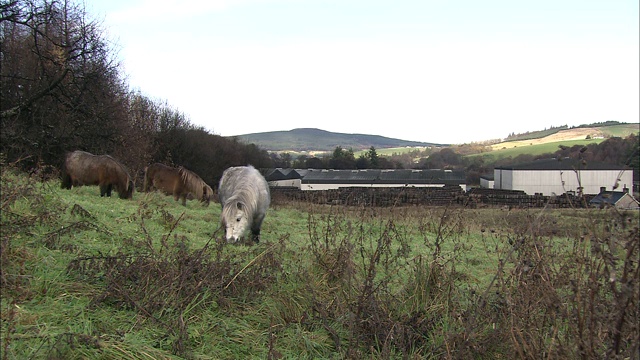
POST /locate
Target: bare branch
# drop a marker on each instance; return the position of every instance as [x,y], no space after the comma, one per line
[26,104]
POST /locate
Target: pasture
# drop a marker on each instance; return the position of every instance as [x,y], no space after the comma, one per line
[105,278]
[620,130]
[391,151]
[526,149]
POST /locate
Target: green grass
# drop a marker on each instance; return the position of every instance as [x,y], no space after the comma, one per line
[390,151]
[86,277]
[537,134]
[548,148]
[622,130]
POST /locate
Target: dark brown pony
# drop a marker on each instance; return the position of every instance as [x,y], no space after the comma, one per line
[82,168]
[178,182]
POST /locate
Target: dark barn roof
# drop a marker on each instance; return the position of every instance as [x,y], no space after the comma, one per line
[609,197]
[375,176]
[341,176]
[284,174]
[563,164]
[274,175]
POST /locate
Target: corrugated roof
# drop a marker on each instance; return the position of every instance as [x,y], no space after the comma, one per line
[563,164]
[274,175]
[368,176]
[340,176]
[303,172]
[284,174]
[385,177]
[422,176]
[609,197]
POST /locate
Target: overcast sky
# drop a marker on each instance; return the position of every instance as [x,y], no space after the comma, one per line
[443,71]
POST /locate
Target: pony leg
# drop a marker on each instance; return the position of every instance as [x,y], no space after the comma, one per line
[255,235]
[103,190]
[66,182]
[255,229]
[109,188]
[255,232]
[177,195]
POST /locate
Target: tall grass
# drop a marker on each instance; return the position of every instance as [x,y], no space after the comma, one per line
[99,278]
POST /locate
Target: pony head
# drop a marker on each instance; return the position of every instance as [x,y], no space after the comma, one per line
[128,192]
[236,221]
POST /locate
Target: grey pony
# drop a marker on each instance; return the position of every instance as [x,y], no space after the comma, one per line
[245,197]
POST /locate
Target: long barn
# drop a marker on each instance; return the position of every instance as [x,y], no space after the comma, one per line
[559,176]
[317,179]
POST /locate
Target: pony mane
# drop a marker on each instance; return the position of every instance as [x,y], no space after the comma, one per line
[124,178]
[249,203]
[194,183]
[125,171]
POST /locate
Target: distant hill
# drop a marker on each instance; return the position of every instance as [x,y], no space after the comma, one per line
[308,139]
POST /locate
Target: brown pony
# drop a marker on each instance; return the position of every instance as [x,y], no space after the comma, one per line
[82,168]
[178,182]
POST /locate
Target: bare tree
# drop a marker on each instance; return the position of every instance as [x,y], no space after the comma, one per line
[60,85]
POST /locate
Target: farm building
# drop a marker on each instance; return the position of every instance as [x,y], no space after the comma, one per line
[334,179]
[620,199]
[318,179]
[486,181]
[560,176]
[288,177]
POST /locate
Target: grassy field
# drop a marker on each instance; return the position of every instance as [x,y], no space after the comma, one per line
[390,151]
[622,130]
[546,148]
[85,277]
[570,137]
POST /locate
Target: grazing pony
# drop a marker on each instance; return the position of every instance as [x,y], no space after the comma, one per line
[245,197]
[82,168]
[178,182]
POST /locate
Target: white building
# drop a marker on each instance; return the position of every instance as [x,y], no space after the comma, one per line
[558,176]
[486,181]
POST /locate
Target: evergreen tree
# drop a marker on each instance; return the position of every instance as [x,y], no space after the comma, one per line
[374,160]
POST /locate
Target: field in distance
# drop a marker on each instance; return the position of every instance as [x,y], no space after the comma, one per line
[551,143]
[542,145]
